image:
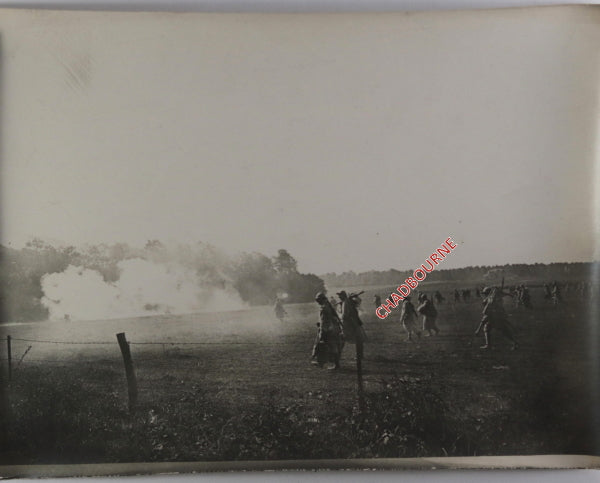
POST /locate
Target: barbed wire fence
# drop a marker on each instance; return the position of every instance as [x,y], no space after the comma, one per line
[14,359]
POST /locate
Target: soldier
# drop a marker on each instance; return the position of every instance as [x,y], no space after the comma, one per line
[556,296]
[409,319]
[494,316]
[525,297]
[456,296]
[330,336]
[429,312]
[353,329]
[466,295]
[377,301]
[280,312]
[518,295]
[547,292]
[439,298]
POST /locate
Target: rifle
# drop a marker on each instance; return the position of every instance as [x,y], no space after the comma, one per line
[480,326]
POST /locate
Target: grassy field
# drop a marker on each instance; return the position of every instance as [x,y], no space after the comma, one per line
[245,388]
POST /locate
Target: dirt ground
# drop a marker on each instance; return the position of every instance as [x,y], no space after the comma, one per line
[537,399]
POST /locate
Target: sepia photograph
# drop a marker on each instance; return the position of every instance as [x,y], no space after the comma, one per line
[235,241]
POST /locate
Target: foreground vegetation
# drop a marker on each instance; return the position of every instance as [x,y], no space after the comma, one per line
[435,397]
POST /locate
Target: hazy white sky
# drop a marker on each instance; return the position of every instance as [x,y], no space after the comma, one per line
[355,141]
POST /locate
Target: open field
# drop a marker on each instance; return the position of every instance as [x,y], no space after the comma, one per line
[238,385]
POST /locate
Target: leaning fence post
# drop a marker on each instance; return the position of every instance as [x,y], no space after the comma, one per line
[9,351]
[129,372]
[4,409]
[359,374]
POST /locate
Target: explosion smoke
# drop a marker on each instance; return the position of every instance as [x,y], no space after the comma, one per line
[143,288]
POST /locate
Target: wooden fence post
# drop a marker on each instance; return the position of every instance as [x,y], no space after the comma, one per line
[4,409]
[9,351]
[359,356]
[129,372]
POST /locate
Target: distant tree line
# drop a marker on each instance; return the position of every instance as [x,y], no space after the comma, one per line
[574,271]
[256,277]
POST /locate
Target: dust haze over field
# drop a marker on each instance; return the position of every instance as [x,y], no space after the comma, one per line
[90,339]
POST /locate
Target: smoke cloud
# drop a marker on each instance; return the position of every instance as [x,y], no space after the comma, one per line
[143,288]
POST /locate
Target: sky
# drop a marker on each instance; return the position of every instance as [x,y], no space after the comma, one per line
[355,141]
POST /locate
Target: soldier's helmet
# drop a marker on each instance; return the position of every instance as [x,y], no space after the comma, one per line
[320,296]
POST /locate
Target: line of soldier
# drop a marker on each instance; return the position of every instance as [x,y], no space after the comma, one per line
[522,296]
[409,316]
[494,315]
[334,330]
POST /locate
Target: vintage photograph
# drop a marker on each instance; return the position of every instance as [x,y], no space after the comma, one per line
[297,239]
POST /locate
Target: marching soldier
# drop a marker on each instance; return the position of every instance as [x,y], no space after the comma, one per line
[353,329]
[429,312]
[518,295]
[494,316]
[525,297]
[330,336]
[409,318]
[556,296]
[280,312]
